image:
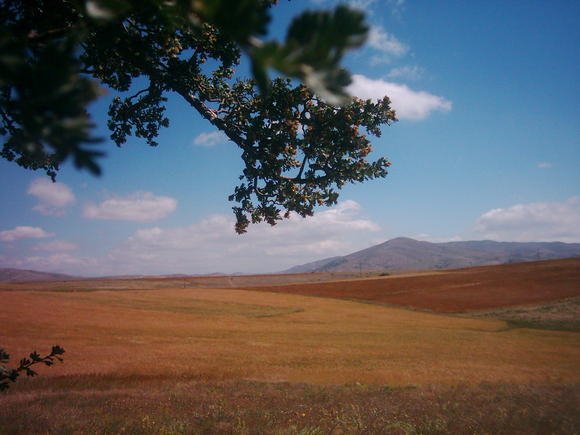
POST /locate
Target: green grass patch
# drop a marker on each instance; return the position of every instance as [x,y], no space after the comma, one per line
[560,316]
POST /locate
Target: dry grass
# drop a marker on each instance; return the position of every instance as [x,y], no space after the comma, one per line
[151,283]
[237,334]
[193,360]
[459,290]
[102,404]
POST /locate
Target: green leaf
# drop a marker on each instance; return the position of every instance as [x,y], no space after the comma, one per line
[238,20]
[315,45]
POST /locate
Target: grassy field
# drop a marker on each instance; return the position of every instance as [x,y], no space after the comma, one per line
[562,315]
[461,290]
[179,360]
[101,404]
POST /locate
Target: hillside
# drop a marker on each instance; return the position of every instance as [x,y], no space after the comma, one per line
[407,254]
[463,290]
[21,275]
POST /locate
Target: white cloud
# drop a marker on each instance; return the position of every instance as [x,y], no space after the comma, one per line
[52,198]
[56,246]
[210,139]
[406,73]
[397,7]
[139,207]
[433,239]
[57,262]
[386,43]
[545,165]
[23,232]
[212,245]
[364,5]
[409,104]
[539,221]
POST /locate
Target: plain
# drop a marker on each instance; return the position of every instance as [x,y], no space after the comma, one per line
[192,359]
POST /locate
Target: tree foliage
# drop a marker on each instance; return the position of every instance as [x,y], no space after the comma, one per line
[302,138]
[8,375]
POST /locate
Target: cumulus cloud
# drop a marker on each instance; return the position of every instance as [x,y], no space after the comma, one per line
[409,72]
[53,198]
[210,139]
[23,232]
[539,221]
[435,239]
[409,104]
[57,262]
[56,246]
[386,43]
[138,207]
[212,245]
[397,7]
[364,5]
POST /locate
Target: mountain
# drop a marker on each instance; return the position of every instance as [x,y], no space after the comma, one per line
[315,265]
[21,275]
[408,254]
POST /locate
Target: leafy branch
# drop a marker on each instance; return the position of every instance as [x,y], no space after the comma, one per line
[8,375]
[302,136]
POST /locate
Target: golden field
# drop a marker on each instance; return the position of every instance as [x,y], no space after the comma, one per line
[241,357]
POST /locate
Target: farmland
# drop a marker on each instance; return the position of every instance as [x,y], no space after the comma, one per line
[175,356]
[458,290]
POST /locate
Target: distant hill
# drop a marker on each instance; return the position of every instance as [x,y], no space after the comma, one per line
[21,275]
[408,254]
[316,266]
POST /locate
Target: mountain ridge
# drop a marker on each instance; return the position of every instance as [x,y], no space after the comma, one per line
[403,253]
[8,274]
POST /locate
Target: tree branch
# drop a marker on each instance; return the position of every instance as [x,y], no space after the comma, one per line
[211,116]
[139,93]
[34,37]
[314,180]
[299,176]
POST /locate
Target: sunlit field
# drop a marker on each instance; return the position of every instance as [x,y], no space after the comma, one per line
[194,359]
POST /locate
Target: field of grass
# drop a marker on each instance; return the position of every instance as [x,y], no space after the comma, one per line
[455,291]
[141,405]
[563,315]
[179,360]
[151,283]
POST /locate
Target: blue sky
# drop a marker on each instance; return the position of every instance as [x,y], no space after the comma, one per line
[487,147]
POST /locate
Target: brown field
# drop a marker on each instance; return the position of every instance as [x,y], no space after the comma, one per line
[110,405]
[150,283]
[183,360]
[461,290]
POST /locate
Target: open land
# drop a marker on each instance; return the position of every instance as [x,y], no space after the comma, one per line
[423,353]
[458,290]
